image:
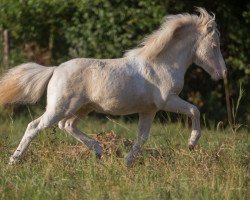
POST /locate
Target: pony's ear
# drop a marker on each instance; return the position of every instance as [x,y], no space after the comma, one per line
[210,28]
[211,24]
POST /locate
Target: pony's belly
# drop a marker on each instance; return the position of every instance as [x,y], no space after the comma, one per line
[123,108]
[116,112]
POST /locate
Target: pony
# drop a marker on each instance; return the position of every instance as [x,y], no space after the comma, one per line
[145,80]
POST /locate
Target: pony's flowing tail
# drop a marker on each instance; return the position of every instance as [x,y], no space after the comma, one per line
[25,83]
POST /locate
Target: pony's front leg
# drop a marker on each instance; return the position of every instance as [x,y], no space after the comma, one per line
[145,121]
[177,105]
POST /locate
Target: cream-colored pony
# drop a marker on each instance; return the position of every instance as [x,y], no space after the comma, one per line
[147,79]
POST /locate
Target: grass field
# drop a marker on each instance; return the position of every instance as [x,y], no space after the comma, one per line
[56,166]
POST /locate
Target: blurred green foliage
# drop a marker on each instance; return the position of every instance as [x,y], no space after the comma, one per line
[107,28]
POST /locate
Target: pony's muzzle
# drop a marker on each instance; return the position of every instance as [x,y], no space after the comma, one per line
[219,74]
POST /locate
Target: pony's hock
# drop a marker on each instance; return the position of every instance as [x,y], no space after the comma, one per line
[147,79]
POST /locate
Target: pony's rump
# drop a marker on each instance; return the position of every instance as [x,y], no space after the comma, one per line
[25,83]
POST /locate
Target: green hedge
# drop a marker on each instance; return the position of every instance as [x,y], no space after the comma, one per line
[107,28]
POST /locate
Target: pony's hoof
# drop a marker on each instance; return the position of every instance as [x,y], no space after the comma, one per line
[191,147]
[98,155]
[98,150]
[129,159]
[13,161]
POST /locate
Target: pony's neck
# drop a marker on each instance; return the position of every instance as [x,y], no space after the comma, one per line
[178,54]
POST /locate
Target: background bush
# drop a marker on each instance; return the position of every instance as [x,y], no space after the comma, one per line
[52,31]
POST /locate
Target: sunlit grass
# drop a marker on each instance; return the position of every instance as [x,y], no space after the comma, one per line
[56,166]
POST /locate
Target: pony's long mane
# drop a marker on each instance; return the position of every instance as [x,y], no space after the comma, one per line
[153,44]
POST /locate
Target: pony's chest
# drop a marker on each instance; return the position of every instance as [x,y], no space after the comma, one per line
[172,84]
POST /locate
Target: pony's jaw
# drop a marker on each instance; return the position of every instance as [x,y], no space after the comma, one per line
[213,72]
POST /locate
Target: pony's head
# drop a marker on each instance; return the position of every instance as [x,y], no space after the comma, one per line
[207,52]
[182,28]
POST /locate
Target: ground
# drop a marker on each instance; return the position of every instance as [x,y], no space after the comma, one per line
[58,167]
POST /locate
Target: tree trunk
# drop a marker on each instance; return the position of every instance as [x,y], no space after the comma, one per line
[227,94]
[5,48]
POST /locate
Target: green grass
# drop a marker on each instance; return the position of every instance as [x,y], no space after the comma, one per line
[56,166]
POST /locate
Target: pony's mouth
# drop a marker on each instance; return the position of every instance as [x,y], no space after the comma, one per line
[217,75]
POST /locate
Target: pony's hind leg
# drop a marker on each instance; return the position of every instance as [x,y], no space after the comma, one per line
[33,128]
[70,126]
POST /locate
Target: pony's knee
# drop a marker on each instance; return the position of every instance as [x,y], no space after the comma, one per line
[194,112]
